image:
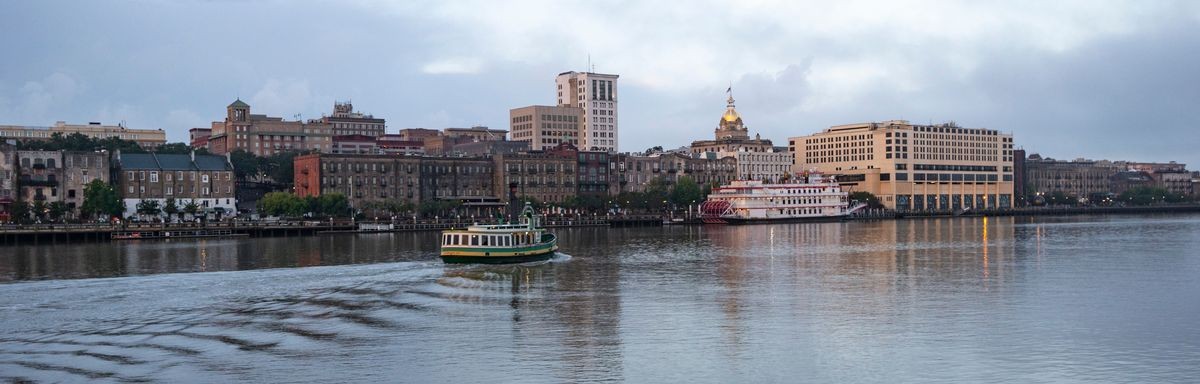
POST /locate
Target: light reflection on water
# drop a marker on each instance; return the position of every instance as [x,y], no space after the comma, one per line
[931,300]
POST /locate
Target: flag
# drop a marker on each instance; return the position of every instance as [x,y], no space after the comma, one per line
[730,89]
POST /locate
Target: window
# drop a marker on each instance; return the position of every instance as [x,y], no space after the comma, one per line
[153,177]
[203,178]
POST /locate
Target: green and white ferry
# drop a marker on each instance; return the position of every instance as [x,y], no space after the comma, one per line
[500,243]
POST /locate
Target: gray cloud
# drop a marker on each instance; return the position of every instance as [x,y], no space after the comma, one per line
[1069,79]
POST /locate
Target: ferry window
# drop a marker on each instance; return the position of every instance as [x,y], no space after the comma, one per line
[485,240]
[457,240]
[474,239]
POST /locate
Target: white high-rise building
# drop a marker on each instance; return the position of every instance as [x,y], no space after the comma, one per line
[596,94]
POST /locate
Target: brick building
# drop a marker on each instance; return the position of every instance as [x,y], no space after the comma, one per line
[206,179]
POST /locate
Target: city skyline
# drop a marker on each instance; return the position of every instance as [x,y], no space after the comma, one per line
[1072,80]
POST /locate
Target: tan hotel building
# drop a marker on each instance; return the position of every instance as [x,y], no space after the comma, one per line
[546,127]
[146,138]
[940,167]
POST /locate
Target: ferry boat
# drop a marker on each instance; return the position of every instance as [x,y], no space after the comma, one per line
[813,197]
[500,243]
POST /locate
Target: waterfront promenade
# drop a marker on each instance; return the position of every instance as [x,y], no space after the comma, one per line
[52,233]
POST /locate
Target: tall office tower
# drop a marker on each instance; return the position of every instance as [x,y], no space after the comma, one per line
[596,94]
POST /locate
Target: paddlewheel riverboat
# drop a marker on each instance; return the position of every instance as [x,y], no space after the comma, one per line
[813,198]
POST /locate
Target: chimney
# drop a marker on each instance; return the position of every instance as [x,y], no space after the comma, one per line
[193,156]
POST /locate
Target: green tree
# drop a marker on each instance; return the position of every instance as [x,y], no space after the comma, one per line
[333,204]
[99,198]
[39,209]
[19,212]
[245,164]
[171,208]
[191,207]
[177,149]
[149,207]
[282,204]
[656,193]
[686,192]
[57,209]
[866,197]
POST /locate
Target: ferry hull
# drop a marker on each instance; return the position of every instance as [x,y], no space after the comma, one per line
[499,255]
[816,219]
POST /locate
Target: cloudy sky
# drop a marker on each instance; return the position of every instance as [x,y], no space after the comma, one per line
[1095,79]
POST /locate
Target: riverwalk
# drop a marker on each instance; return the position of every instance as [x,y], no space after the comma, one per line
[35,234]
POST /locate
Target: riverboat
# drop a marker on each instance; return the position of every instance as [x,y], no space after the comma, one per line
[812,197]
[500,243]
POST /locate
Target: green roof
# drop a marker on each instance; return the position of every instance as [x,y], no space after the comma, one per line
[239,104]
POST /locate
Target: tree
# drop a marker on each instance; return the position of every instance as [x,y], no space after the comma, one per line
[191,208]
[656,193]
[39,209]
[175,149]
[149,207]
[171,208]
[866,197]
[20,212]
[686,192]
[57,210]
[333,204]
[245,164]
[282,204]
[99,198]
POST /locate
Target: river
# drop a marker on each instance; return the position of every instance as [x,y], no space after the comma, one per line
[1002,299]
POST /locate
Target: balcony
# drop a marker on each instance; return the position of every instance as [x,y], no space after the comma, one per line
[38,183]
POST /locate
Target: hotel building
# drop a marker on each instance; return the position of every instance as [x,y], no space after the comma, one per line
[546,126]
[914,167]
[146,138]
[265,136]
[596,94]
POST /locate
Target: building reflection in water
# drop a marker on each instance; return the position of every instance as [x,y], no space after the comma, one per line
[141,257]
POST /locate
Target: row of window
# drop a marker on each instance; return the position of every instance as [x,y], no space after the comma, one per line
[490,240]
[178,176]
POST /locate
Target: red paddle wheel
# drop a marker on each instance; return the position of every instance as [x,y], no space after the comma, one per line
[712,210]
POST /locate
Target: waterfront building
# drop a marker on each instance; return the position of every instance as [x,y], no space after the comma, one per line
[545,127]
[41,174]
[205,179]
[146,138]
[8,179]
[366,178]
[757,158]
[941,167]
[596,94]
[361,178]
[264,136]
[79,169]
[1077,179]
[1172,176]
[545,176]
[632,173]
[345,121]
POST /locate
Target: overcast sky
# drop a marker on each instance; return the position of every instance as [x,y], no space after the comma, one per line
[1095,79]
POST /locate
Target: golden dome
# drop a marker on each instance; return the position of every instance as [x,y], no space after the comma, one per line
[731,114]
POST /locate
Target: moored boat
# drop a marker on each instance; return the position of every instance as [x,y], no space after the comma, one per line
[812,197]
[500,243]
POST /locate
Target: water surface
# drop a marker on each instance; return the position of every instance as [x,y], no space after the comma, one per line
[1063,299]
